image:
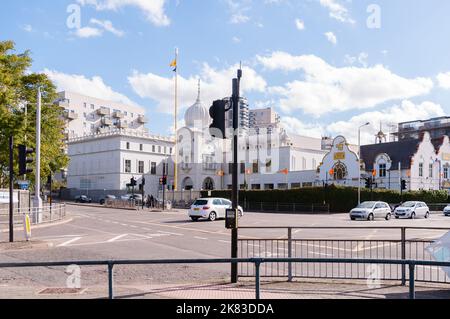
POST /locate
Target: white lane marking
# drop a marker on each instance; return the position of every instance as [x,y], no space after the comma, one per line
[69,242]
[124,225]
[59,236]
[200,238]
[117,238]
[168,233]
[132,226]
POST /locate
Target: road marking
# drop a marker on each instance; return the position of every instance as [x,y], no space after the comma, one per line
[117,238]
[69,242]
[200,238]
[168,233]
[225,241]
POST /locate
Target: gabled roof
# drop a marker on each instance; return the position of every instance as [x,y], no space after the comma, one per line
[401,151]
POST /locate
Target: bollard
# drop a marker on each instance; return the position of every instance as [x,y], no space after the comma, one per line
[257,279]
[290,254]
[412,291]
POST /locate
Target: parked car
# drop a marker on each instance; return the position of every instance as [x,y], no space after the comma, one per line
[412,210]
[447,210]
[136,197]
[371,210]
[107,197]
[211,208]
[83,199]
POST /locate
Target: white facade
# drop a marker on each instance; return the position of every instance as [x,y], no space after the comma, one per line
[108,161]
[86,115]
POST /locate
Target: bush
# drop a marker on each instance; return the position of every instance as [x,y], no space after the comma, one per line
[340,199]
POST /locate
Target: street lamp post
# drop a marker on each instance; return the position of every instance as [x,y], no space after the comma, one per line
[359,161]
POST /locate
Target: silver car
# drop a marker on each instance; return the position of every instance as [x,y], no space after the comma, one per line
[412,210]
[371,210]
[211,208]
[447,210]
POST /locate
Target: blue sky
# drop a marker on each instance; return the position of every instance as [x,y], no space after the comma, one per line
[317,62]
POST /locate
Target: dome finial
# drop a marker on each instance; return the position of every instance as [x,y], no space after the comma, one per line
[199,88]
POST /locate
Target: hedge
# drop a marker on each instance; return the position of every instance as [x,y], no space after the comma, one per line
[340,199]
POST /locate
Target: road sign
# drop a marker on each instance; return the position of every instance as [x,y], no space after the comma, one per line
[24,185]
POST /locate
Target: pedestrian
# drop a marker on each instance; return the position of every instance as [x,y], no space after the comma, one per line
[152,201]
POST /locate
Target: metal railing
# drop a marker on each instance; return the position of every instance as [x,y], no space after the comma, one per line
[257,262]
[288,246]
[284,207]
[48,213]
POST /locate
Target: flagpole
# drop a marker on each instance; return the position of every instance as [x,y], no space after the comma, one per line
[175,183]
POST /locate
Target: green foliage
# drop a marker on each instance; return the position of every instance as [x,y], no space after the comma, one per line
[341,199]
[18,91]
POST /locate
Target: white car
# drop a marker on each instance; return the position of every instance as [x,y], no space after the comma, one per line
[371,210]
[211,208]
[447,211]
[412,210]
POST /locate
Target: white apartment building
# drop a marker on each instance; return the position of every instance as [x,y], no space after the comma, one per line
[264,118]
[104,163]
[86,115]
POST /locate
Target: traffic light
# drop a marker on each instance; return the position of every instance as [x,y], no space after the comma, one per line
[163,181]
[368,183]
[403,184]
[217,113]
[24,160]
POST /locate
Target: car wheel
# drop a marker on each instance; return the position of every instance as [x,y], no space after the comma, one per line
[427,215]
[413,216]
[371,217]
[388,216]
[212,216]
[102,202]
[396,217]
[194,219]
[353,218]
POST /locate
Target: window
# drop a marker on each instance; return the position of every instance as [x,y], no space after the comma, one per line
[170,151]
[242,168]
[141,167]
[340,171]
[269,166]
[159,149]
[92,106]
[153,168]
[165,149]
[141,147]
[382,170]
[446,172]
[431,170]
[132,115]
[255,167]
[153,148]
[127,166]
[128,145]
[420,169]
[85,106]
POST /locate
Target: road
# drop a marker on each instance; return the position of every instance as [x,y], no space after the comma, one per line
[99,233]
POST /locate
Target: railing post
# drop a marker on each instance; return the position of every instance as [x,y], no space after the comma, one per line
[403,244]
[110,281]
[412,291]
[257,279]
[290,254]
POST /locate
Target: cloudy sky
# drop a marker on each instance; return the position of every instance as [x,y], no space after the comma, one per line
[327,66]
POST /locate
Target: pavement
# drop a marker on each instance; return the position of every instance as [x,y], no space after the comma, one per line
[97,233]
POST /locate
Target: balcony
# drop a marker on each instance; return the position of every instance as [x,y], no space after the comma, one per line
[122,125]
[118,115]
[107,121]
[70,115]
[103,111]
[142,119]
[63,104]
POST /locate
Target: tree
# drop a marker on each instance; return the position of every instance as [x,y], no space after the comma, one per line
[18,98]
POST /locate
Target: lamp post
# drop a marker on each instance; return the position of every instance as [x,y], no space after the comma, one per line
[359,161]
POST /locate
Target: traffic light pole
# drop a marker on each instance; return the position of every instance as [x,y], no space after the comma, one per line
[235,192]
[11,189]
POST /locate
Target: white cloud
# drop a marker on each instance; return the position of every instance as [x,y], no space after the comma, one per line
[406,111]
[153,9]
[326,88]
[299,24]
[27,28]
[238,9]
[361,59]
[239,18]
[216,84]
[337,11]
[94,86]
[108,26]
[444,80]
[88,32]
[331,37]
[236,40]
[388,117]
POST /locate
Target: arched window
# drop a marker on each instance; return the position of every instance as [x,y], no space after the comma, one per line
[340,171]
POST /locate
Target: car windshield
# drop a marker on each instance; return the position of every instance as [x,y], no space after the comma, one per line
[408,204]
[366,205]
[200,202]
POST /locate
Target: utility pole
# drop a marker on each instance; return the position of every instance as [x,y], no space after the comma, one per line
[37,189]
[235,192]
[11,189]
